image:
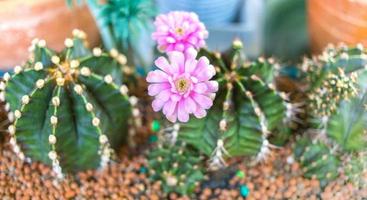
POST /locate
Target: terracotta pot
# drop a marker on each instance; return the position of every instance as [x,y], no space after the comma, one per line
[335,21]
[52,20]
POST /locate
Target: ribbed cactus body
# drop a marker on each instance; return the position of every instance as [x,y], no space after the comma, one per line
[178,168]
[246,110]
[337,112]
[68,108]
[316,160]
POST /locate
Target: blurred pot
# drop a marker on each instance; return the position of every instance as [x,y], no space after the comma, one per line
[211,12]
[335,21]
[52,20]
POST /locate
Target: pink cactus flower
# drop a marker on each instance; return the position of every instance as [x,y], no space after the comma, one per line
[178,31]
[182,85]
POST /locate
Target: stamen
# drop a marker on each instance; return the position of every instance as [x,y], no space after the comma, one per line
[180,31]
[182,85]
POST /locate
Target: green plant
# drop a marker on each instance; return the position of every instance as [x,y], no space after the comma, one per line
[317,160]
[125,25]
[337,112]
[246,110]
[177,168]
[68,108]
[285,29]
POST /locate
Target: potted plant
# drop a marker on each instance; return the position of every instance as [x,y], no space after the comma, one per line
[345,21]
[21,21]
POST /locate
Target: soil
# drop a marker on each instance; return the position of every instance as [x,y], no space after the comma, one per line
[279,178]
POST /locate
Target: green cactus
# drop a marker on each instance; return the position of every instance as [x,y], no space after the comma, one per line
[337,107]
[177,167]
[247,109]
[356,168]
[125,25]
[68,108]
[316,160]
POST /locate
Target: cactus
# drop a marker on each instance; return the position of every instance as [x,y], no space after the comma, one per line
[68,108]
[125,25]
[246,110]
[317,160]
[177,168]
[337,110]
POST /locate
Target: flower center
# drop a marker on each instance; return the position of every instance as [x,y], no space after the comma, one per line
[180,31]
[182,85]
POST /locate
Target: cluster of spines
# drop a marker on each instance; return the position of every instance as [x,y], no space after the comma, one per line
[170,134]
[105,150]
[349,59]
[217,157]
[333,78]
[336,87]
[136,121]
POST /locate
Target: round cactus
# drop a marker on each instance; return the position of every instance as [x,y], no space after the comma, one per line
[336,106]
[316,160]
[176,167]
[68,108]
[246,110]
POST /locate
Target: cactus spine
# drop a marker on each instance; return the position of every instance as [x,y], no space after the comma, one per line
[67,107]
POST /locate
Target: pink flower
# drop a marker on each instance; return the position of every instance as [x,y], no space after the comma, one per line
[178,31]
[182,86]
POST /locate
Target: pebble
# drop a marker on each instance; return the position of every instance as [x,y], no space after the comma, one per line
[244,190]
[128,179]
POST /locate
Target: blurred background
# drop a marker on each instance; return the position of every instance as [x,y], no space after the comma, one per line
[287,29]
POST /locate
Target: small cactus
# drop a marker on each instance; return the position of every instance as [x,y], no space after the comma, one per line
[337,111]
[68,108]
[176,167]
[316,160]
[246,110]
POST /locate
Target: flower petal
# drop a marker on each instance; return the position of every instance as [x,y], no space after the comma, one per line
[157,76]
[182,115]
[175,97]
[212,86]
[190,65]
[200,88]
[162,63]
[190,105]
[177,60]
[156,88]
[204,71]
[199,112]
[172,118]
[164,95]
[169,108]
[202,100]
[190,53]
[157,104]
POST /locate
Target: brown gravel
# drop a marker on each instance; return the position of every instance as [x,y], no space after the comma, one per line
[275,180]
[282,179]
